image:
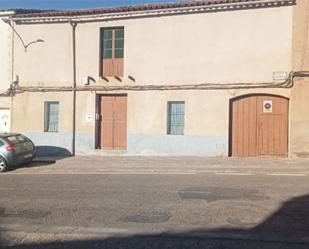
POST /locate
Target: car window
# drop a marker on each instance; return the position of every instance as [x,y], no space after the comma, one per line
[1,143]
[17,139]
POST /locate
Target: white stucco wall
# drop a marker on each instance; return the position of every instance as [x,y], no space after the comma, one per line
[5,60]
[222,47]
[227,47]
[5,55]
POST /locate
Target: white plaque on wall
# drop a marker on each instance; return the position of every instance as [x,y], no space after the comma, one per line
[88,118]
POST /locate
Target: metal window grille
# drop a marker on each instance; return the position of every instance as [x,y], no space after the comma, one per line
[175,117]
[51,116]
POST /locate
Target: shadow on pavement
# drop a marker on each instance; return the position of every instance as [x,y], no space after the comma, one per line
[45,155]
[51,151]
[35,163]
[288,227]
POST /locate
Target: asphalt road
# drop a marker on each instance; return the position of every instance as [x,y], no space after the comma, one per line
[154,211]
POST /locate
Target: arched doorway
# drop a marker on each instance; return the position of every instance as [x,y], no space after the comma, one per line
[259,125]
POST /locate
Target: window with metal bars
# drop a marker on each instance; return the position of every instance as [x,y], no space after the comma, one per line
[51,116]
[175,117]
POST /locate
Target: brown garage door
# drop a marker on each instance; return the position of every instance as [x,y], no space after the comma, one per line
[113,125]
[259,126]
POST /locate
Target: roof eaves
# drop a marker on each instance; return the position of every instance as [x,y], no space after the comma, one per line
[17,11]
[132,11]
[6,13]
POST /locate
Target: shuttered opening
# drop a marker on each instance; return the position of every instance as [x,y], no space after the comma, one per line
[259,126]
[113,122]
[112,46]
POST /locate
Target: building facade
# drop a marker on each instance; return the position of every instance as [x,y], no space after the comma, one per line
[6,41]
[194,78]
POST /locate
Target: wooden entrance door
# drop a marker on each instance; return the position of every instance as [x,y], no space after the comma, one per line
[113,125]
[259,126]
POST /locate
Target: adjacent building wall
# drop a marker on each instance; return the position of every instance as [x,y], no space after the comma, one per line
[5,60]
[299,114]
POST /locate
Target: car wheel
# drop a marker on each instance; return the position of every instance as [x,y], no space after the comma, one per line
[3,165]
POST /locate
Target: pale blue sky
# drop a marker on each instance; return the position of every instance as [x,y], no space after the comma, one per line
[70,4]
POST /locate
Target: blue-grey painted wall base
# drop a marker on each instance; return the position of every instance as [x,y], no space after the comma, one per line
[59,144]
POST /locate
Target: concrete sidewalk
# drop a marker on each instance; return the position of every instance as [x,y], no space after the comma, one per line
[165,165]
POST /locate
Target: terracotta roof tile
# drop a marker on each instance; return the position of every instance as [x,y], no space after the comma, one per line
[129,8]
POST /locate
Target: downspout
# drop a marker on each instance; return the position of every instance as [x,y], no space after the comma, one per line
[73,25]
[12,77]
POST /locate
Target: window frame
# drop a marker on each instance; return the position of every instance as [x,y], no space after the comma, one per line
[169,130]
[113,58]
[47,116]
